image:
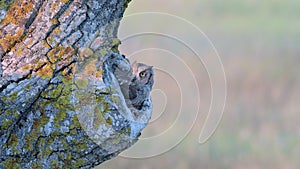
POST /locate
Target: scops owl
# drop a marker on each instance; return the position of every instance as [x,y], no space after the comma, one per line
[135,82]
[141,84]
[131,86]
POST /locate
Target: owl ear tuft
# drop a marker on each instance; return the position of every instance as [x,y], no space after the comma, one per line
[134,67]
[134,63]
[150,68]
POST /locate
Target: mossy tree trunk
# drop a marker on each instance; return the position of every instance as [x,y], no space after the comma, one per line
[61,105]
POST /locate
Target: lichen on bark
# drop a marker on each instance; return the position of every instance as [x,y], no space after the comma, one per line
[56,108]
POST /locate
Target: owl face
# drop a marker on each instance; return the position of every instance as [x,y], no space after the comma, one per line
[143,73]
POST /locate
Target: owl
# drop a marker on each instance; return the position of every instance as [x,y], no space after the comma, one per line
[141,84]
[135,82]
[131,85]
[143,74]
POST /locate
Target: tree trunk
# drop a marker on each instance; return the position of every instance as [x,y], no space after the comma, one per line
[60,100]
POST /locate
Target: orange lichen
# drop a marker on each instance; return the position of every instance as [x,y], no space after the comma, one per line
[56,31]
[66,73]
[20,51]
[8,41]
[90,69]
[37,63]
[98,74]
[17,13]
[60,53]
[54,5]
[19,33]
[46,71]
[85,53]
[45,44]
[65,1]
[50,39]
[67,13]
[58,56]
[68,51]
[52,55]
[54,21]
[27,67]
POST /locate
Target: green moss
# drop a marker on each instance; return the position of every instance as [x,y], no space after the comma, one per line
[73,132]
[56,91]
[4,99]
[10,163]
[38,123]
[114,99]
[98,118]
[15,150]
[115,44]
[79,163]
[103,52]
[68,156]
[128,131]
[46,152]
[82,83]
[13,140]
[109,121]
[34,134]
[125,5]
[64,143]
[116,140]
[12,113]
[67,81]
[42,141]
[27,88]
[55,164]
[71,127]
[28,141]
[4,4]
[55,135]
[35,165]
[62,103]
[100,99]
[84,98]
[81,147]
[45,147]
[13,96]
[60,116]
[5,124]
[76,122]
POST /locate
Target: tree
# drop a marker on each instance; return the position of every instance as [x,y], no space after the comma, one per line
[60,98]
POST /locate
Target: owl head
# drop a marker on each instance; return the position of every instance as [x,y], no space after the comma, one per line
[143,73]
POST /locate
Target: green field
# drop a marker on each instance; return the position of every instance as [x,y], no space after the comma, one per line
[258,42]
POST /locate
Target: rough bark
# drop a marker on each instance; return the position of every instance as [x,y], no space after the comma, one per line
[61,104]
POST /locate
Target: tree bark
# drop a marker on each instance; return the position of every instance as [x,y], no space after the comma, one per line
[60,101]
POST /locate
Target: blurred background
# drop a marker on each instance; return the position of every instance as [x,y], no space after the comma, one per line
[258,44]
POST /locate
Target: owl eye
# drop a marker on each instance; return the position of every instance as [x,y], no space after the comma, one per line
[142,74]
